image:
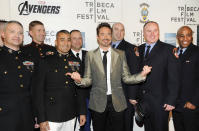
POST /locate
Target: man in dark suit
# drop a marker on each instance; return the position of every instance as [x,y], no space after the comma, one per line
[159,92]
[16,70]
[118,42]
[76,48]
[186,114]
[105,68]
[56,98]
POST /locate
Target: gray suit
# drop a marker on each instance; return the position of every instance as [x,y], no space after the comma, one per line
[95,75]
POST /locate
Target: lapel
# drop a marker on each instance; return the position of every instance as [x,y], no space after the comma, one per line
[121,45]
[98,59]
[155,50]
[187,53]
[114,57]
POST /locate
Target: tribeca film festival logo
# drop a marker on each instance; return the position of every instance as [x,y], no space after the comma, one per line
[144,12]
[26,8]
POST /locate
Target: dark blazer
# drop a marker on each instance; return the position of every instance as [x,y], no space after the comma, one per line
[189,77]
[16,70]
[130,91]
[162,83]
[56,97]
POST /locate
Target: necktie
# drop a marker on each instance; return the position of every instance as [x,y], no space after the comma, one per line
[77,55]
[105,61]
[147,51]
[180,55]
[113,45]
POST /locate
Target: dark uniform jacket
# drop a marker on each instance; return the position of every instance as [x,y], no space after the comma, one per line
[15,99]
[37,51]
[55,94]
[189,77]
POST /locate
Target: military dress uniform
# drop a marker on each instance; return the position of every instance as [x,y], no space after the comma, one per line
[15,99]
[56,97]
[38,51]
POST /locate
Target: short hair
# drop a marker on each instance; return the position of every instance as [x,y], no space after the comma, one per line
[74,31]
[2,24]
[101,25]
[12,22]
[178,32]
[34,23]
[149,23]
[62,31]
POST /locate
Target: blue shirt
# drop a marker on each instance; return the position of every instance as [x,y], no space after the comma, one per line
[183,50]
[116,43]
[152,45]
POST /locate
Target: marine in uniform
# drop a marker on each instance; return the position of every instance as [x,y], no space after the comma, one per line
[56,98]
[15,77]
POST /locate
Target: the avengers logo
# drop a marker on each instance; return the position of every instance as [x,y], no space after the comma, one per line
[25,9]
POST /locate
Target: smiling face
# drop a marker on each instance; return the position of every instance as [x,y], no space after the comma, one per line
[104,37]
[184,36]
[63,43]
[13,35]
[76,40]
[151,33]
[38,33]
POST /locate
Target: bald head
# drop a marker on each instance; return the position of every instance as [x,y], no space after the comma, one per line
[118,32]
[184,36]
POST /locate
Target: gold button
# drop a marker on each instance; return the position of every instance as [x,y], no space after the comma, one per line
[56,70]
[66,82]
[39,48]
[1,109]
[66,67]
[5,72]
[21,85]
[16,57]
[19,67]
[20,75]
[64,59]
[41,54]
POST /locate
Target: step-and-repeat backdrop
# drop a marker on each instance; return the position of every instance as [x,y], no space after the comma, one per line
[85,15]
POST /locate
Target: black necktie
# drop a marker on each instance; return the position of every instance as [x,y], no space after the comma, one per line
[105,61]
[147,51]
[180,55]
[77,55]
[113,45]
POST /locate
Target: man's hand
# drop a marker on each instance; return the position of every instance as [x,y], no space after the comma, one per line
[146,70]
[133,101]
[168,107]
[82,120]
[75,76]
[190,106]
[44,126]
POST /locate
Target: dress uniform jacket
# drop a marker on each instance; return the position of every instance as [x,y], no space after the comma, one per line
[15,99]
[37,51]
[56,97]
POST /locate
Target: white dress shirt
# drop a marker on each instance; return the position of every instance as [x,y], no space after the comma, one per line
[108,55]
[75,53]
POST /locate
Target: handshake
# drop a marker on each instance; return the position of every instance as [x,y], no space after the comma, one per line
[77,78]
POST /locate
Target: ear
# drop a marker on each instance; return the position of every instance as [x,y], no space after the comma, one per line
[55,43]
[30,33]
[3,34]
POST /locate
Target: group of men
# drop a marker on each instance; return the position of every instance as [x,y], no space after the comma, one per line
[54,87]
